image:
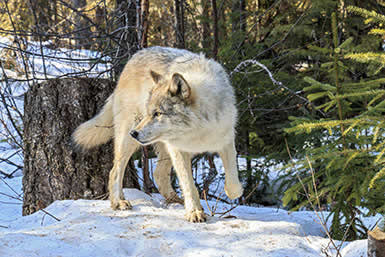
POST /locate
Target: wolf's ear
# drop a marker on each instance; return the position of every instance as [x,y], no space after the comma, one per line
[156,77]
[179,86]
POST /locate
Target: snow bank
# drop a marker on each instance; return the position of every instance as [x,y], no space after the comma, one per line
[91,228]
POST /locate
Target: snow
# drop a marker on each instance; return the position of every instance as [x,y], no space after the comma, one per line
[10,200]
[43,62]
[355,249]
[91,228]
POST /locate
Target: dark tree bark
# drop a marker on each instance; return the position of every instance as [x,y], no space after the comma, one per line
[376,243]
[144,23]
[179,24]
[205,25]
[126,35]
[82,25]
[41,13]
[215,27]
[54,168]
[238,20]
[239,15]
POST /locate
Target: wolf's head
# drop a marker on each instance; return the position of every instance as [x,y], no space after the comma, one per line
[169,113]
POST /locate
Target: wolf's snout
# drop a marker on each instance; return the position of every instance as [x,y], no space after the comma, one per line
[134,134]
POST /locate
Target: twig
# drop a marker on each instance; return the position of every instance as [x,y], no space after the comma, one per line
[214,208]
[46,212]
[218,198]
[320,218]
[243,201]
[10,203]
[16,193]
[245,63]
[49,214]
[5,174]
[6,160]
[207,203]
[10,196]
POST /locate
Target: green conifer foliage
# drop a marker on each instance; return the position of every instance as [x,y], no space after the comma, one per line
[348,165]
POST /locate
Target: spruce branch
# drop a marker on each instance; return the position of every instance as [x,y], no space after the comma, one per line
[374,16]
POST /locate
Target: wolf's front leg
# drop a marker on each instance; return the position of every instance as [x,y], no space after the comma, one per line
[124,147]
[182,165]
[233,187]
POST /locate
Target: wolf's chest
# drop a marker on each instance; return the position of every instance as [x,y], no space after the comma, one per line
[204,140]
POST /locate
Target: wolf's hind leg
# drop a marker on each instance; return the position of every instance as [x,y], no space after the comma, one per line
[124,147]
[233,187]
[162,175]
[182,165]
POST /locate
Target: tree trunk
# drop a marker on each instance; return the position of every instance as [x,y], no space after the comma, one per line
[215,28]
[144,23]
[53,168]
[206,37]
[41,14]
[82,26]
[376,243]
[126,39]
[238,21]
[179,24]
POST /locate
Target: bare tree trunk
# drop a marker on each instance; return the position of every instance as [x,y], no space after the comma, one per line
[82,26]
[41,14]
[215,18]
[144,23]
[205,25]
[53,168]
[179,24]
[238,23]
[126,36]
[376,243]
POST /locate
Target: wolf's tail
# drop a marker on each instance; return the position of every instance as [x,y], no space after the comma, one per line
[98,130]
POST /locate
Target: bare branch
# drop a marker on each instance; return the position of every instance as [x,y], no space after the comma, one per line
[246,63]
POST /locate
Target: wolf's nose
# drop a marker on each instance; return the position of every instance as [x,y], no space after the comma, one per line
[134,134]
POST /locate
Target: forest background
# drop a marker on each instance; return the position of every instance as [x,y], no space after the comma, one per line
[308,74]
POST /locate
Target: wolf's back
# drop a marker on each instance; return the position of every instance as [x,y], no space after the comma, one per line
[97,130]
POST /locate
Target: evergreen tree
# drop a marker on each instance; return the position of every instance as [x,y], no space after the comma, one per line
[348,162]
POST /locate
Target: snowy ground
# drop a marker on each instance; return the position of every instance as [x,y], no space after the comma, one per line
[91,228]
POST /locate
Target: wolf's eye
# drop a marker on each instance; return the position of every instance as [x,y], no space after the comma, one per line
[156,114]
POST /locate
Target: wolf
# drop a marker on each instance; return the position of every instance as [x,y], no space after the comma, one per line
[181,102]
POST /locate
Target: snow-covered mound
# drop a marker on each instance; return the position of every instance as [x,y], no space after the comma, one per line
[91,228]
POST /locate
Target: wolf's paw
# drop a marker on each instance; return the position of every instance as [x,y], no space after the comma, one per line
[121,205]
[234,191]
[196,216]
